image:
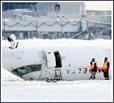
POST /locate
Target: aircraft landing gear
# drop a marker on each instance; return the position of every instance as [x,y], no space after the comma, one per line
[51,80]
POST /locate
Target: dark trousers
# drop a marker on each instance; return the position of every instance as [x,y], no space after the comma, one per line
[106,75]
[93,74]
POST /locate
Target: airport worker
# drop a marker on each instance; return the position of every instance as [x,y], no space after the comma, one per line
[105,68]
[93,69]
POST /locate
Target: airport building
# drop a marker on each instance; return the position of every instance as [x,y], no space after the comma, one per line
[54,20]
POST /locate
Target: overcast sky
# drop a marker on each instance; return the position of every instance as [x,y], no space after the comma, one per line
[99,5]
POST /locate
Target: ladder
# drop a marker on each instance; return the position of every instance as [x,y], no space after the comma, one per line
[58,75]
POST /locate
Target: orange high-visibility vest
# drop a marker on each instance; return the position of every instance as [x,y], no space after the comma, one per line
[105,67]
[92,66]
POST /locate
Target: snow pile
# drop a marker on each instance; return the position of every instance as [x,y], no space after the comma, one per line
[6,75]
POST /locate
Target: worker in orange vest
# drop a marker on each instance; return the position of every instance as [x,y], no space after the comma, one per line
[105,68]
[93,69]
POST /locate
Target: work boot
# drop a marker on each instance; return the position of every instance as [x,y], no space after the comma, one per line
[106,78]
[93,78]
[90,78]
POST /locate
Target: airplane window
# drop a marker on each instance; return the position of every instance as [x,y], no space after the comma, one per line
[26,69]
[29,69]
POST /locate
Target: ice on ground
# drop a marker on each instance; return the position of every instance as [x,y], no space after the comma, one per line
[16,90]
[35,91]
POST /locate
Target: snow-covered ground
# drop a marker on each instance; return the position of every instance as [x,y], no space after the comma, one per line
[16,89]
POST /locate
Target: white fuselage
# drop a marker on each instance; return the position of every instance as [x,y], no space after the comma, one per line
[45,57]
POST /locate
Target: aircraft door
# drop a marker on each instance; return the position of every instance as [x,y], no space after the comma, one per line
[50,59]
[58,60]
